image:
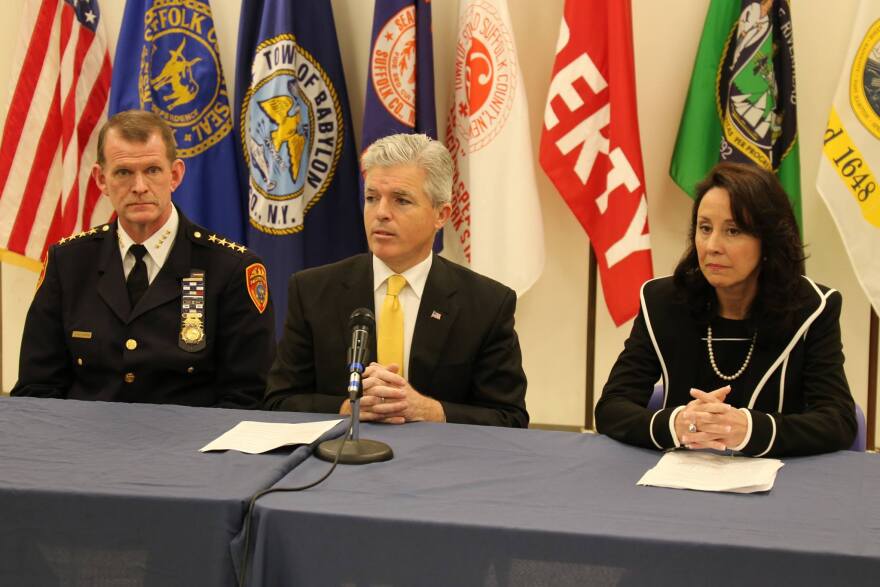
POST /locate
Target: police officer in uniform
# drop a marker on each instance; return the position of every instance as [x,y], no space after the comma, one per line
[150,308]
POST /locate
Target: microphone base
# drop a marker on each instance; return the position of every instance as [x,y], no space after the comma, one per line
[355,452]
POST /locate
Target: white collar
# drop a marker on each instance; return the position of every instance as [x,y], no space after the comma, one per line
[415,276]
[160,242]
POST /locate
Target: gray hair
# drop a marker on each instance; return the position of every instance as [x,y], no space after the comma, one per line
[417,149]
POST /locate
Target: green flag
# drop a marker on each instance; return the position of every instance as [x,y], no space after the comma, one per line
[741,102]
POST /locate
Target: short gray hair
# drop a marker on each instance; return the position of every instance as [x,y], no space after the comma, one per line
[417,149]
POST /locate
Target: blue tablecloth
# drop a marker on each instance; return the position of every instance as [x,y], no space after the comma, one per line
[116,494]
[466,505]
[95,493]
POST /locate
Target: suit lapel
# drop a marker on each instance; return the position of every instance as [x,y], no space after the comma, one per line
[111,278]
[356,291]
[437,314]
[167,287]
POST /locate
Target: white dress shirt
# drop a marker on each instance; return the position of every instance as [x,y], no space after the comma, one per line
[158,247]
[410,297]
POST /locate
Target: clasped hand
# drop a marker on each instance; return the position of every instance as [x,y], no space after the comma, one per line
[390,399]
[708,422]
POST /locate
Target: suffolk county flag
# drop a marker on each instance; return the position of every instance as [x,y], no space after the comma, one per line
[850,158]
[590,145]
[400,80]
[496,216]
[56,107]
[741,101]
[168,61]
[294,128]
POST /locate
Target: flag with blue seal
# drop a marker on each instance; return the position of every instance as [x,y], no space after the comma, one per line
[294,129]
[168,62]
[400,82]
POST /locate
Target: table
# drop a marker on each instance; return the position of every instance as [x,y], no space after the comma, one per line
[467,505]
[96,493]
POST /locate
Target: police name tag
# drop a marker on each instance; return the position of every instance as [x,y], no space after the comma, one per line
[192,312]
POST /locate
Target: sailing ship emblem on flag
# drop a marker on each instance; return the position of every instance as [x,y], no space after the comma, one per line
[180,77]
[750,96]
[291,133]
[394,66]
[485,79]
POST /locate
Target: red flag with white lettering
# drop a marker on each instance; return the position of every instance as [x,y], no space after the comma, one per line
[590,145]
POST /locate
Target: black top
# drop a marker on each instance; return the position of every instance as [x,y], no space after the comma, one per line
[84,340]
[807,410]
[464,352]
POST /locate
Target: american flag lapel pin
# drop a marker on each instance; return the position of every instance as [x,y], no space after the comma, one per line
[436,315]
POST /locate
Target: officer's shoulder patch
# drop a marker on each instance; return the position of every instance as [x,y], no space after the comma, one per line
[97,230]
[257,285]
[221,242]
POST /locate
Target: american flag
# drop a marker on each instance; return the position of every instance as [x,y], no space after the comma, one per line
[49,138]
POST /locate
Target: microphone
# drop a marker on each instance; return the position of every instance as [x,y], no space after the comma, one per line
[361,323]
[350,448]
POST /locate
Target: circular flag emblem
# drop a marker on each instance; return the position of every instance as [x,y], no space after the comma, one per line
[291,133]
[393,63]
[864,87]
[180,78]
[485,76]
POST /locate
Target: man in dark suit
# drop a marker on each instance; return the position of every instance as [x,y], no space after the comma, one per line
[150,308]
[446,346]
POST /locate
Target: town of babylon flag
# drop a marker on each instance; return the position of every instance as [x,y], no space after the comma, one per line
[168,62]
[847,179]
[48,145]
[496,215]
[400,80]
[741,101]
[590,145]
[294,129]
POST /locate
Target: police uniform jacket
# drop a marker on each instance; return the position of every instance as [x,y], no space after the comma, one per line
[464,352]
[794,387]
[83,340]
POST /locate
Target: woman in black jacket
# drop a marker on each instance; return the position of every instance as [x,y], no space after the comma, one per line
[748,349]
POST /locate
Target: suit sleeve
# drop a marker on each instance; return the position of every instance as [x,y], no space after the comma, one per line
[246,339]
[828,420]
[292,378]
[45,367]
[498,389]
[621,412]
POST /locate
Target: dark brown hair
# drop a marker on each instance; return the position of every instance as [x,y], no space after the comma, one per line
[760,207]
[137,126]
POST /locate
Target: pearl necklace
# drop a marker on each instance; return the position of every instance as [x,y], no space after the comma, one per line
[712,357]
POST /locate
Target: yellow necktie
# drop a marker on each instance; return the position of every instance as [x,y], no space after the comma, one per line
[390,337]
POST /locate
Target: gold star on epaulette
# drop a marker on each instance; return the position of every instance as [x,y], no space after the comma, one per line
[213,238]
[76,236]
[241,248]
[223,242]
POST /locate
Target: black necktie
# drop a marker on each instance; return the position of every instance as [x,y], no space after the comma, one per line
[137,282]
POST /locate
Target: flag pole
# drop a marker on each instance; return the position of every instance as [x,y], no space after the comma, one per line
[591,340]
[871,410]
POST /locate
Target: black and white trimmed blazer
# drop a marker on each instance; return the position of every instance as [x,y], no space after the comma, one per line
[798,397]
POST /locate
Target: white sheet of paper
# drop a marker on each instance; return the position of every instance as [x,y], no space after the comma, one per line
[258,437]
[703,471]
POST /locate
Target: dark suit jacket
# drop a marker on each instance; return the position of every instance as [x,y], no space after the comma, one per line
[84,290]
[469,360]
[808,410]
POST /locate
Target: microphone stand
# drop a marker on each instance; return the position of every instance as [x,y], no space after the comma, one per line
[355,450]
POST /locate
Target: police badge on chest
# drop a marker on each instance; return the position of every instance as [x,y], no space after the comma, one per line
[192,312]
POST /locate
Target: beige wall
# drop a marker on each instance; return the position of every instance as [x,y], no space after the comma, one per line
[551,317]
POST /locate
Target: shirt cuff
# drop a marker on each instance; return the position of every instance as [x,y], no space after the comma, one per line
[748,431]
[672,425]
